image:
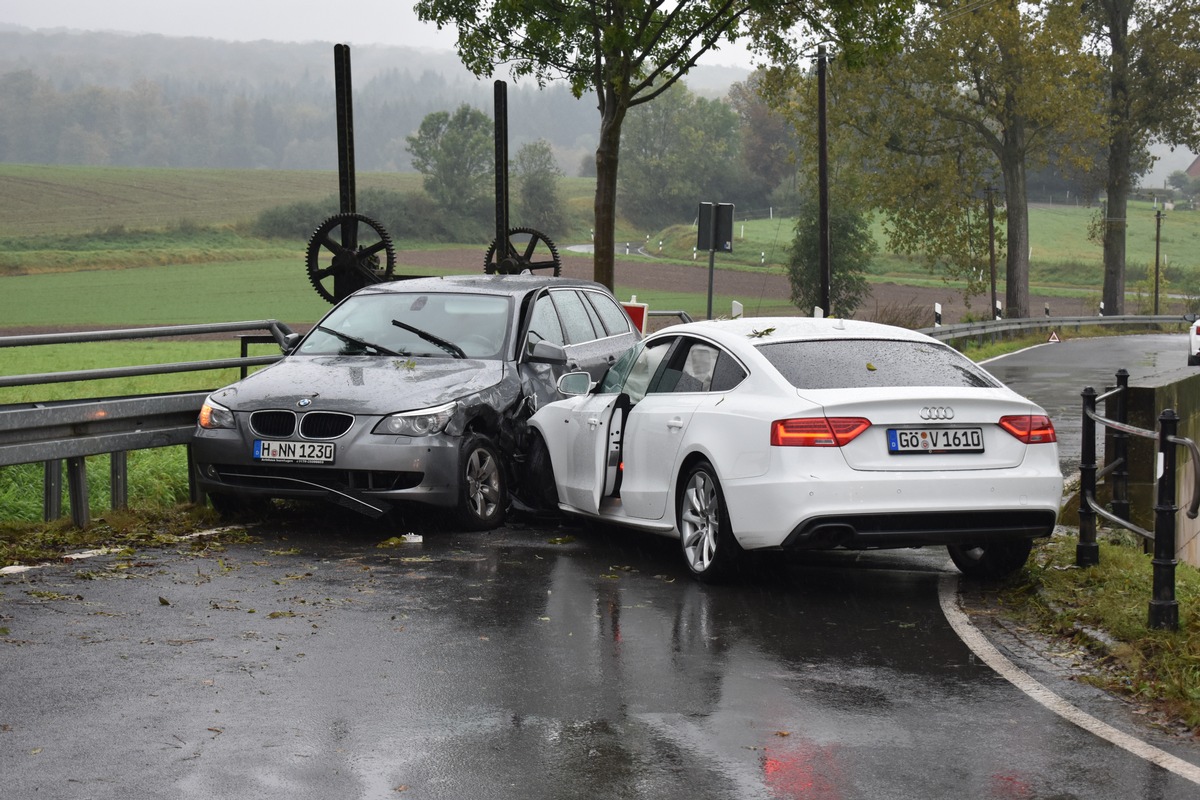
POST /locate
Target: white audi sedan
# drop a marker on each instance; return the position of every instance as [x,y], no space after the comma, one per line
[794,433]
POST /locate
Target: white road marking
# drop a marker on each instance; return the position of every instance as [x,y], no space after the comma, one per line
[986,652]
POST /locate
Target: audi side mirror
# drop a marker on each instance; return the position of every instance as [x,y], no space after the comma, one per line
[575,383]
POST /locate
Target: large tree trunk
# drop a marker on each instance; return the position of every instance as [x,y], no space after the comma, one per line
[1016,198]
[605,209]
[1115,210]
[1120,148]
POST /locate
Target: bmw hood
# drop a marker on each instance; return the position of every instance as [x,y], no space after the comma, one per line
[360,384]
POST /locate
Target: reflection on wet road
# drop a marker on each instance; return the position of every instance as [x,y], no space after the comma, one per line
[538,661]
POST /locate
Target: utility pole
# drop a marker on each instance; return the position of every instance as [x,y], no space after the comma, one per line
[991,208]
[823,187]
[1158,218]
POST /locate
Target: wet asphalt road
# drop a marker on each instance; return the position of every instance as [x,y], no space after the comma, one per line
[1055,375]
[542,660]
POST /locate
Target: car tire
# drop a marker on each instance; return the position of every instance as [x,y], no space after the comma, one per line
[705,535]
[991,560]
[1194,359]
[483,486]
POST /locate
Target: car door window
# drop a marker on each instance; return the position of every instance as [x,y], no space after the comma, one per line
[614,318]
[545,322]
[689,369]
[643,366]
[594,317]
[577,324]
[727,373]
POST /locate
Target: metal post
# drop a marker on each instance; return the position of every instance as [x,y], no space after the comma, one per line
[712,261]
[345,127]
[52,490]
[77,489]
[991,208]
[1120,475]
[1158,218]
[118,479]
[500,101]
[1164,608]
[1087,552]
[343,282]
[195,494]
[822,189]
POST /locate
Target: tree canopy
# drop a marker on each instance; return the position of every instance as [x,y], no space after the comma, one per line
[965,105]
[631,51]
[455,154]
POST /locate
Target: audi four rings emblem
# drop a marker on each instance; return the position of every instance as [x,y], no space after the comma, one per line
[937,412]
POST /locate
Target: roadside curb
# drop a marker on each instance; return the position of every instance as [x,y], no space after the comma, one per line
[1134,740]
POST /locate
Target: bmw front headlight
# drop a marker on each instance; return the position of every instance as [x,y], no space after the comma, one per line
[424,422]
[214,415]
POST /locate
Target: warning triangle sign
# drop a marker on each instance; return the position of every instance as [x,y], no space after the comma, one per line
[1053,336]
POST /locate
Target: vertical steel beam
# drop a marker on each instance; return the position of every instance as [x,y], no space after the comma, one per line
[345,127]
[500,100]
[77,488]
[118,479]
[52,490]
[822,190]
[344,281]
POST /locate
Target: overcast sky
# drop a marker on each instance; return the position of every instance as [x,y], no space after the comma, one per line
[357,22]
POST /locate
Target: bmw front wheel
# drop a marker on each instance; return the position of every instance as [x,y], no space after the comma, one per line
[709,548]
[483,490]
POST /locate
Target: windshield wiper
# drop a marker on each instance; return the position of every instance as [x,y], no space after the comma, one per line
[363,343]
[449,347]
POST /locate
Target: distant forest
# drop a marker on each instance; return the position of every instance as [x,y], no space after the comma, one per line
[155,101]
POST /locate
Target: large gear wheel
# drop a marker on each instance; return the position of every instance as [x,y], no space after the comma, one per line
[354,244]
[526,249]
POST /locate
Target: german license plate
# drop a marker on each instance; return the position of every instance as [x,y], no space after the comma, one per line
[903,441]
[294,452]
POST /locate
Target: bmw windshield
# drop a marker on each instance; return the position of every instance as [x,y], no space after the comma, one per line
[432,325]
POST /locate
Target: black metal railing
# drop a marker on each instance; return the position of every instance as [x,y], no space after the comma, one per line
[71,430]
[1164,608]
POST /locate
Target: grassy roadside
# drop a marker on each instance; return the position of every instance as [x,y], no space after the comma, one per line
[1103,610]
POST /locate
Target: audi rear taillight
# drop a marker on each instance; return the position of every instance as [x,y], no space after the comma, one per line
[1030,428]
[817,431]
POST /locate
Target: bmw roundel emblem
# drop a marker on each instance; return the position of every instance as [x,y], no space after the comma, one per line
[303,402]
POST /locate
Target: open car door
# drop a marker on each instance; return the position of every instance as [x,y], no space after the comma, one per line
[597,425]
[593,454]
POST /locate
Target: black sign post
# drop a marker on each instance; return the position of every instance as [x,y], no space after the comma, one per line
[714,232]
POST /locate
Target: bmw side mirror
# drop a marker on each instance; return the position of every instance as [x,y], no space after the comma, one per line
[546,352]
[289,342]
[575,383]
[1191,317]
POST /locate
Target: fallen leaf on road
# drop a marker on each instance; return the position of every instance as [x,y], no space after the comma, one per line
[162,601]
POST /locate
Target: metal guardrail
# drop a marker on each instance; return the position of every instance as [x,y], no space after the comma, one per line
[967,330]
[1164,608]
[71,430]
[278,331]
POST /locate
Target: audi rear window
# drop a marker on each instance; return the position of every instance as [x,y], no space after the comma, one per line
[862,363]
